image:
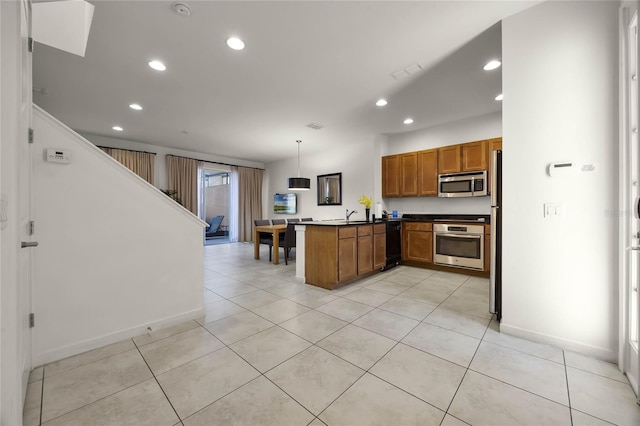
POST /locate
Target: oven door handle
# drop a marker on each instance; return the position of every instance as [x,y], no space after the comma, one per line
[443,234]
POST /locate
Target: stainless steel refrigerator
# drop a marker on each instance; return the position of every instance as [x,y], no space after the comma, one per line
[495,294]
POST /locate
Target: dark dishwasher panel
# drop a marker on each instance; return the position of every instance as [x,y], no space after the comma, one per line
[394,244]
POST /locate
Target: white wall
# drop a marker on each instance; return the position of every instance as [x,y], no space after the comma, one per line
[468,130]
[560,87]
[115,254]
[160,171]
[359,163]
[15,361]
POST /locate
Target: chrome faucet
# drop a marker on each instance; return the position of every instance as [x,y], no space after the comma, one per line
[349,214]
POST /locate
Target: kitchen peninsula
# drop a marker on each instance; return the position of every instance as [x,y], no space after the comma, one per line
[337,252]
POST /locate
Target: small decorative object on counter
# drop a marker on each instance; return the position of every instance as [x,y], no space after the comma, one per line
[366,202]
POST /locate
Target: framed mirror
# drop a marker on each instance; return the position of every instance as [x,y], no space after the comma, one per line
[330,189]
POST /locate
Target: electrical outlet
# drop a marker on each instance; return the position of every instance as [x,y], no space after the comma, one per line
[550,209]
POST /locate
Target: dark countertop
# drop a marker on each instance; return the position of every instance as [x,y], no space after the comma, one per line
[411,217]
[462,218]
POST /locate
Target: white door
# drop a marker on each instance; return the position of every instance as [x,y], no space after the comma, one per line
[15,206]
[630,292]
[24,194]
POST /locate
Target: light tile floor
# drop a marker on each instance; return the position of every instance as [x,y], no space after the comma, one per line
[406,346]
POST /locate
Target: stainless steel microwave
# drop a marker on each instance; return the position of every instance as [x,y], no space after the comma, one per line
[466,184]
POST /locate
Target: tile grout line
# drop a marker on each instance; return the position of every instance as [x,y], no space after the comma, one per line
[101,398]
[466,371]
[261,374]
[156,379]
[566,377]
[41,398]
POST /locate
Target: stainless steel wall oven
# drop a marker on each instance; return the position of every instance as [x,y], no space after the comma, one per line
[459,245]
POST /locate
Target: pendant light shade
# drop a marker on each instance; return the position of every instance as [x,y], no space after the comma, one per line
[299,183]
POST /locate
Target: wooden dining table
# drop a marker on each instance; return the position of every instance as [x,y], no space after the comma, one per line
[275,231]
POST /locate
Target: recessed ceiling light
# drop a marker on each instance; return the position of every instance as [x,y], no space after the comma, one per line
[499,97]
[381,102]
[135,106]
[117,128]
[408,121]
[492,65]
[157,65]
[235,43]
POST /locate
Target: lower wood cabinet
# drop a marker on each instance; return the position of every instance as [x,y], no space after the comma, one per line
[348,262]
[379,245]
[365,249]
[417,248]
[335,255]
[417,241]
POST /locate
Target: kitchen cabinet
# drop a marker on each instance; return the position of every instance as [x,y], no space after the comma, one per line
[474,156]
[449,159]
[409,171]
[428,172]
[379,245]
[492,145]
[414,174]
[466,157]
[365,249]
[417,242]
[391,176]
[399,175]
[337,254]
[347,253]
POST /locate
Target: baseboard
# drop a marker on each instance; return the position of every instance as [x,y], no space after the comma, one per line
[107,339]
[581,348]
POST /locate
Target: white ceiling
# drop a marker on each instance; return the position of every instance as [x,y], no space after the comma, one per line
[323,62]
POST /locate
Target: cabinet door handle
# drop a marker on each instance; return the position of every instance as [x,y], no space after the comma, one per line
[25,244]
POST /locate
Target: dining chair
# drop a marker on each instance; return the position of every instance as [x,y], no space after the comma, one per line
[289,241]
[265,237]
[306,219]
[278,221]
[294,220]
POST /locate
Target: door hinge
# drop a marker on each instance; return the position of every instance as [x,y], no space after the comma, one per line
[32,320]
[32,227]
[30,44]
[30,135]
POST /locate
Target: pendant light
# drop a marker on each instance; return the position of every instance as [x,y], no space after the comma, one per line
[299,183]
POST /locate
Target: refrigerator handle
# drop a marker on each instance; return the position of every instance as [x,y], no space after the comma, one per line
[492,271]
[494,178]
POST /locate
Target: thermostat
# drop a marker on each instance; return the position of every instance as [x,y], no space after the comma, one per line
[54,155]
[561,168]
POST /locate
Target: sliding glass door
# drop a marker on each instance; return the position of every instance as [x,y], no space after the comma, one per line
[214,201]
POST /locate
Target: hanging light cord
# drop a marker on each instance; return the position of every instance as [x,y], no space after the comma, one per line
[299,142]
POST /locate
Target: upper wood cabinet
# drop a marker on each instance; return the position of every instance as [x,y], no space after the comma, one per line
[413,174]
[474,156]
[428,172]
[391,176]
[466,157]
[449,159]
[409,170]
[399,175]
[493,144]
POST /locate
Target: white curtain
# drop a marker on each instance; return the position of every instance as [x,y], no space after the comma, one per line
[233,205]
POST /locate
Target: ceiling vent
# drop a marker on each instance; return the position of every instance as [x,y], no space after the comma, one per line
[411,69]
[315,126]
[182,9]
